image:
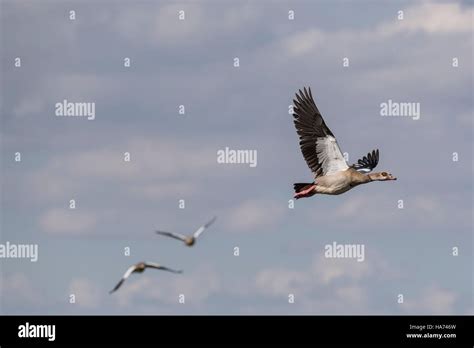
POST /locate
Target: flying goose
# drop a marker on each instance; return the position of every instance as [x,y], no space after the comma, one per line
[188,240]
[140,268]
[321,152]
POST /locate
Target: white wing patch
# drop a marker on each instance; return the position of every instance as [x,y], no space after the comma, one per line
[203,227]
[152,264]
[330,155]
[128,272]
[199,231]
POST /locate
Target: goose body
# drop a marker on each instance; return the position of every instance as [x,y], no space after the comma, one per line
[333,184]
[332,174]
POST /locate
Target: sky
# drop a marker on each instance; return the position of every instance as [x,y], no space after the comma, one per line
[191,62]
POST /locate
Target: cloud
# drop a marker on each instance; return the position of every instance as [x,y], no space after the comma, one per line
[87,294]
[326,285]
[433,18]
[158,191]
[67,221]
[304,42]
[329,270]
[256,215]
[152,161]
[387,59]
[80,87]
[378,208]
[374,65]
[159,25]
[353,294]
[197,286]
[48,184]
[433,300]
[281,281]
[29,106]
[321,274]
[17,289]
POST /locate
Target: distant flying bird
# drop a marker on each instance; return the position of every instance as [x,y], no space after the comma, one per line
[140,268]
[324,157]
[188,240]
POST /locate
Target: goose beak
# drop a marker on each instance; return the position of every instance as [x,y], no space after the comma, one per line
[394,178]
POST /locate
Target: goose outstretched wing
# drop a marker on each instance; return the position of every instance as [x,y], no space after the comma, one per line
[318,144]
[127,273]
[163,268]
[367,163]
[172,235]
[203,227]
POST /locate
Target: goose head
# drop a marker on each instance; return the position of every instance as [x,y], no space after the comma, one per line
[382,176]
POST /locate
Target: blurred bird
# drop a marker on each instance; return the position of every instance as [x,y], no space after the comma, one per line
[188,240]
[140,268]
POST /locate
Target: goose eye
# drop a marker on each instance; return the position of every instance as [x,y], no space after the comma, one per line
[384,174]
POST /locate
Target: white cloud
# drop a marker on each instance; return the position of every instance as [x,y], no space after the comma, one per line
[426,18]
[28,106]
[281,282]
[326,285]
[328,270]
[152,161]
[256,215]
[433,18]
[433,300]
[160,26]
[54,88]
[304,42]
[197,286]
[84,87]
[102,163]
[18,289]
[312,281]
[359,208]
[428,205]
[47,183]
[86,293]
[163,191]
[354,294]
[67,221]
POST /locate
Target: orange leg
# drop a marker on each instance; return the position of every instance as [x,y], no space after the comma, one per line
[306,193]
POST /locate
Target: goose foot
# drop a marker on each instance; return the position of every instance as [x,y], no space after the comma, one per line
[306,193]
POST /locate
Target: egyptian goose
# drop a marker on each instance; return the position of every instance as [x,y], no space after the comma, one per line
[322,154]
[140,268]
[188,240]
